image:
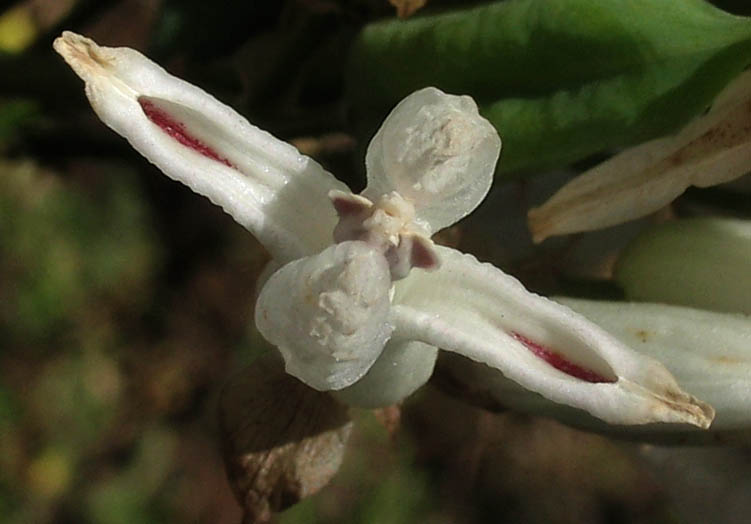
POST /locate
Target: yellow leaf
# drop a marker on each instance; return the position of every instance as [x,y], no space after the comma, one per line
[17,30]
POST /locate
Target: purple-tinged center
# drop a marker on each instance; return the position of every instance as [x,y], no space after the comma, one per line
[559,362]
[177,130]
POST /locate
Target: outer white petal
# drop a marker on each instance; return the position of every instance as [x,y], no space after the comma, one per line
[402,368]
[712,149]
[708,353]
[437,151]
[328,314]
[265,184]
[476,310]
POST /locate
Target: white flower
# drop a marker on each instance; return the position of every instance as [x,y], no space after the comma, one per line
[363,298]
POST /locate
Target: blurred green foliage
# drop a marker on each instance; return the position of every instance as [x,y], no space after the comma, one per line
[399,494]
[13,115]
[64,249]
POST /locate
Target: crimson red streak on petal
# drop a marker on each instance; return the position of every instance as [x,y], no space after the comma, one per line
[177,130]
[559,362]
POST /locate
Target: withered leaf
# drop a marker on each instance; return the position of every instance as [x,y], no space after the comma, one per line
[712,149]
[282,441]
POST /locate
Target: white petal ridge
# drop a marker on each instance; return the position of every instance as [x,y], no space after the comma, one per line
[265,184]
[709,353]
[476,310]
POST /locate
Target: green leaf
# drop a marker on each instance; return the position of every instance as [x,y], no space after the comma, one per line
[702,263]
[560,79]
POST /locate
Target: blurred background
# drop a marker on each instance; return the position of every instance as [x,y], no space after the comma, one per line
[126,302]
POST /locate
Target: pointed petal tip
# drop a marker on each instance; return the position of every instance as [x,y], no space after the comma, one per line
[540,224]
[70,44]
[689,409]
[673,405]
[80,53]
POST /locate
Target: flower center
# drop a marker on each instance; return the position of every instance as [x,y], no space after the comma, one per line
[388,225]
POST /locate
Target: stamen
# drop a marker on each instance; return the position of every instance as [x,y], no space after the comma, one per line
[559,362]
[424,254]
[177,130]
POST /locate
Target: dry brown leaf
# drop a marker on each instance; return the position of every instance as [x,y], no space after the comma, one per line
[282,441]
[712,149]
[324,145]
[406,8]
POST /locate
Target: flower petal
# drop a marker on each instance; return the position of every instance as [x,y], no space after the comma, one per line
[265,184]
[476,310]
[708,353]
[437,151]
[328,314]
[712,149]
[402,368]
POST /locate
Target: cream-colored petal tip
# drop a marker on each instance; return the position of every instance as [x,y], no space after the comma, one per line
[540,223]
[81,53]
[660,399]
[686,408]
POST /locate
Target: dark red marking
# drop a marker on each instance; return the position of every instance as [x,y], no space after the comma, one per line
[559,362]
[346,206]
[423,254]
[177,131]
